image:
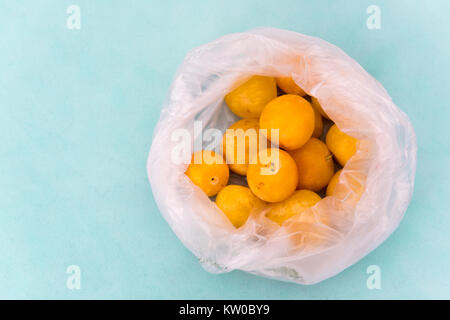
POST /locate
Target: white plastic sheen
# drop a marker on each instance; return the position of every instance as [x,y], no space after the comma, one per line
[383,167]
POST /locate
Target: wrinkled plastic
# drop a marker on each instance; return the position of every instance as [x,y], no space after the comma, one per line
[371,197]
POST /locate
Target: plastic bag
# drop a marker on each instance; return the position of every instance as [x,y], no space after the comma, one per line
[375,186]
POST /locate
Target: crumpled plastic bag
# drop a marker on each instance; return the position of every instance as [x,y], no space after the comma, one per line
[375,187]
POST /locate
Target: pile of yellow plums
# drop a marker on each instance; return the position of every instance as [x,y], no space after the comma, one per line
[287,175]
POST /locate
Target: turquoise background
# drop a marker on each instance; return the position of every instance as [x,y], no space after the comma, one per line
[77,110]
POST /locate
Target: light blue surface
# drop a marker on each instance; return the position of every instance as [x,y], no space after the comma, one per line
[77,110]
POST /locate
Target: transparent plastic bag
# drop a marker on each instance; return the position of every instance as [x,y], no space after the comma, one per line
[374,189]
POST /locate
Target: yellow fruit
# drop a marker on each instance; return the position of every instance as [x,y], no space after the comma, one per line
[318,124]
[352,188]
[355,183]
[315,165]
[305,229]
[292,116]
[315,103]
[237,202]
[272,175]
[294,205]
[249,99]
[309,230]
[341,145]
[240,142]
[289,86]
[333,182]
[208,171]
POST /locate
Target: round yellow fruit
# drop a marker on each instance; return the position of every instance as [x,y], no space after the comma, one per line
[333,182]
[341,145]
[208,171]
[240,142]
[294,205]
[249,99]
[352,189]
[318,124]
[293,118]
[309,230]
[315,165]
[272,175]
[304,227]
[315,103]
[237,202]
[288,85]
